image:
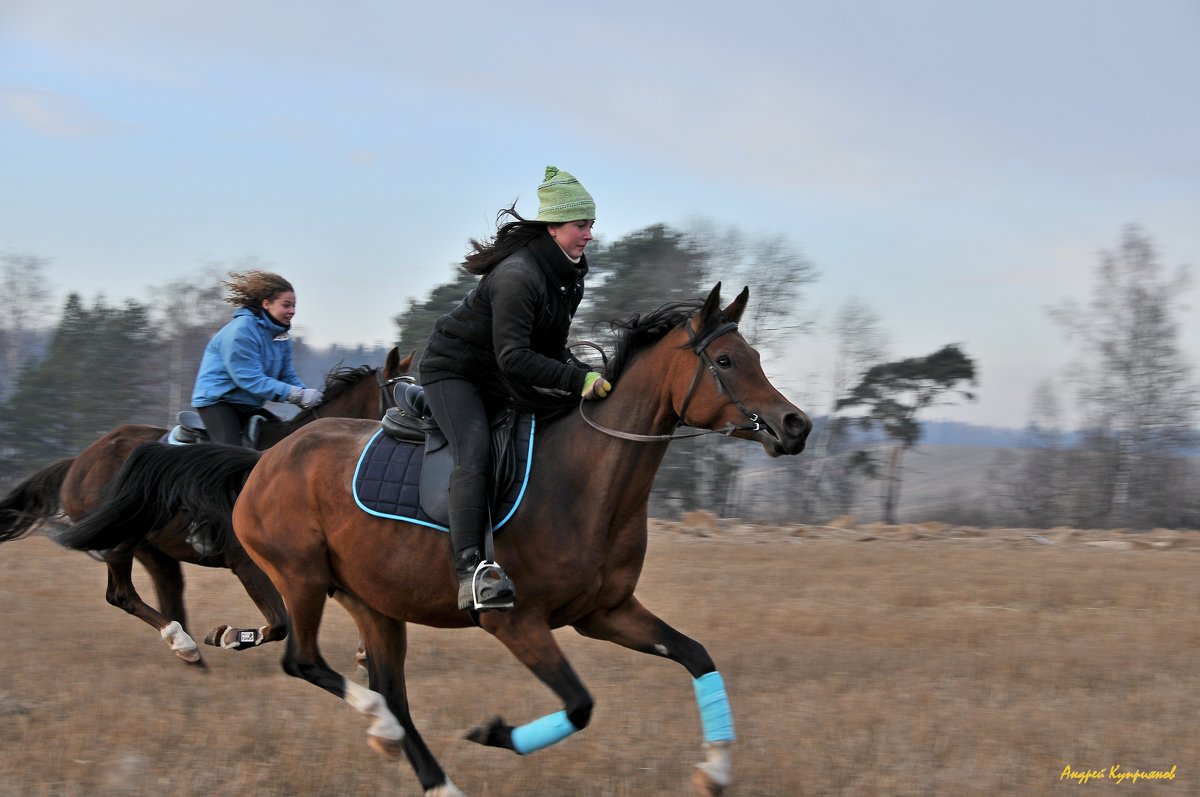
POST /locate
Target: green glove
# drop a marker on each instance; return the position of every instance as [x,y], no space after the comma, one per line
[595,386]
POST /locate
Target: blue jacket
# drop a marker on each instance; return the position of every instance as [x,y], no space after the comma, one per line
[248,361]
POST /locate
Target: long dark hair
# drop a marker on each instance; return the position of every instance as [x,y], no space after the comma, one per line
[510,236]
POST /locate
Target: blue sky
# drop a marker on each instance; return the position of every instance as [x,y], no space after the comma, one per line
[956,167]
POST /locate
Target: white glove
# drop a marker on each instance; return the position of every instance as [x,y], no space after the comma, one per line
[306,397]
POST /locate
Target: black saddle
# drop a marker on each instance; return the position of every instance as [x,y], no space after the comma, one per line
[411,421]
[190,429]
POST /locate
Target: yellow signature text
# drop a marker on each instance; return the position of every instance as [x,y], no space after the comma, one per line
[1116,773]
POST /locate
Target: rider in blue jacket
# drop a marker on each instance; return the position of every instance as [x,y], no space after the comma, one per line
[249,361]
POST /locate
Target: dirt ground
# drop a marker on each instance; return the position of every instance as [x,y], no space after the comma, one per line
[876,660]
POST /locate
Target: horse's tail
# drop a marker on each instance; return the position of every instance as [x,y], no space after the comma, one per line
[33,500]
[160,482]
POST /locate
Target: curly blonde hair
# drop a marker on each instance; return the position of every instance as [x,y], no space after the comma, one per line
[250,288]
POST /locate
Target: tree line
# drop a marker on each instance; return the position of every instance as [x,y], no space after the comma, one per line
[103,363]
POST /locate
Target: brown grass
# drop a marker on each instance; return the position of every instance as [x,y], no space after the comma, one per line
[860,661]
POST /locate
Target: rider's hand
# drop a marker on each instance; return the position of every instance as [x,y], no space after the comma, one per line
[595,386]
[306,397]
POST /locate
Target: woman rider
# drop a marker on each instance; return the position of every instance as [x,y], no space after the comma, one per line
[509,331]
[249,361]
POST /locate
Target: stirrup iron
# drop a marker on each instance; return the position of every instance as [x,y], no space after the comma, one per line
[491,579]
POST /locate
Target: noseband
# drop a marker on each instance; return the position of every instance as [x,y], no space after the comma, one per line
[700,347]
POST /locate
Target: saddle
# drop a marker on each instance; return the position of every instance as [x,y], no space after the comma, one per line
[190,429]
[412,451]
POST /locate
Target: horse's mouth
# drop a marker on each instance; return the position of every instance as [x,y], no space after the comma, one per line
[774,443]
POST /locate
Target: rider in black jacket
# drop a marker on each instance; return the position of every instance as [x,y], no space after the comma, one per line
[510,330]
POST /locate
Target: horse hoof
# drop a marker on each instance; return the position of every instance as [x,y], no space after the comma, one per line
[193,658]
[493,734]
[388,748]
[215,636]
[704,786]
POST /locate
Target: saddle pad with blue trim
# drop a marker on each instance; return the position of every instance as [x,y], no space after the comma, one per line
[387,480]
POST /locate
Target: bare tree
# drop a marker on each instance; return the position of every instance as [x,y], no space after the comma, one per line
[24,305]
[187,312]
[1135,386]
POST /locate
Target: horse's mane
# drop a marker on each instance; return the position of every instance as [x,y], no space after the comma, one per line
[633,336]
[339,379]
[637,333]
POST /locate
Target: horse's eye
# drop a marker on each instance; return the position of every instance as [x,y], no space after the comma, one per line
[724,361]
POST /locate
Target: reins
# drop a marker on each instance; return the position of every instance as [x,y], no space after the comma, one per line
[700,347]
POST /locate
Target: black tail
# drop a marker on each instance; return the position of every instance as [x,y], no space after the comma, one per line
[32,500]
[158,482]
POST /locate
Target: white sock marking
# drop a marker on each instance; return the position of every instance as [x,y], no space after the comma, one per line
[447,789]
[178,638]
[719,765]
[385,726]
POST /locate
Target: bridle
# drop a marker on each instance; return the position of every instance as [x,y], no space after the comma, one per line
[700,347]
[387,390]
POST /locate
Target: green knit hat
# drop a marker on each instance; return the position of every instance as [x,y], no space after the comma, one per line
[561,198]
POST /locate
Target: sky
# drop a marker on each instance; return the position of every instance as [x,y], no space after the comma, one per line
[956,167]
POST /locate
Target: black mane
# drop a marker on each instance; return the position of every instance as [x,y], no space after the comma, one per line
[633,336]
[340,379]
[639,332]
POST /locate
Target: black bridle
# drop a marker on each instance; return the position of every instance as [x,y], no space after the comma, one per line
[700,347]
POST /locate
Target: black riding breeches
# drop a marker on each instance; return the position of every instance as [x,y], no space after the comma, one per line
[458,407]
[225,422]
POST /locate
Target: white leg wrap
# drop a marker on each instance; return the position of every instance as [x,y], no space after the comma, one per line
[447,789]
[719,763]
[385,726]
[179,640]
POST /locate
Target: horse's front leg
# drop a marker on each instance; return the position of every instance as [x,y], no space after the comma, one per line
[265,597]
[528,637]
[633,626]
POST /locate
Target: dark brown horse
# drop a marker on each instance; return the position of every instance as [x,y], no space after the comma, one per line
[76,486]
[574,548]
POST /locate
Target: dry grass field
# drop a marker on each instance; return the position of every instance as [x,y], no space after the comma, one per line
[860,661]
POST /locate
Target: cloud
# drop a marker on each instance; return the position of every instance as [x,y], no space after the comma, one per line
[52,114]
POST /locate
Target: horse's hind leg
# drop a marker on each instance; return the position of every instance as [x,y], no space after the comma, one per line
[528,638]
[121,593]
[633,626]
[385,642]
[167,576]
[265,597]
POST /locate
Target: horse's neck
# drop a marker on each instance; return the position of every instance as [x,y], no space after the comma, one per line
[622,471]
[348,404]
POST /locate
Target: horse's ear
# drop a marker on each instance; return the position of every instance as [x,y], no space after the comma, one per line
[394,365]
[735,309]
[712,305]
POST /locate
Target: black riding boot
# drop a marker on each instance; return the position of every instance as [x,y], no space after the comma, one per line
[482,585]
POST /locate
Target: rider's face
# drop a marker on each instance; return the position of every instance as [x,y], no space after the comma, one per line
[572,236]
[282,307]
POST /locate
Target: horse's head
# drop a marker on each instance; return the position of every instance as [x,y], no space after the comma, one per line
[717,381]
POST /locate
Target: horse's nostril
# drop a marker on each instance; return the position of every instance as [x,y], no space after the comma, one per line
[797,424]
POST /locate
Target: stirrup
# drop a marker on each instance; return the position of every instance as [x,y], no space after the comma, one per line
[491,587]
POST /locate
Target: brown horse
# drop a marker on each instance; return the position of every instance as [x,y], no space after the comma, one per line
[77,486]
[574,548]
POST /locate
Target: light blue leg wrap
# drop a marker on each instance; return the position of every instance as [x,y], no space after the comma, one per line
[715,715]
[542,732]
